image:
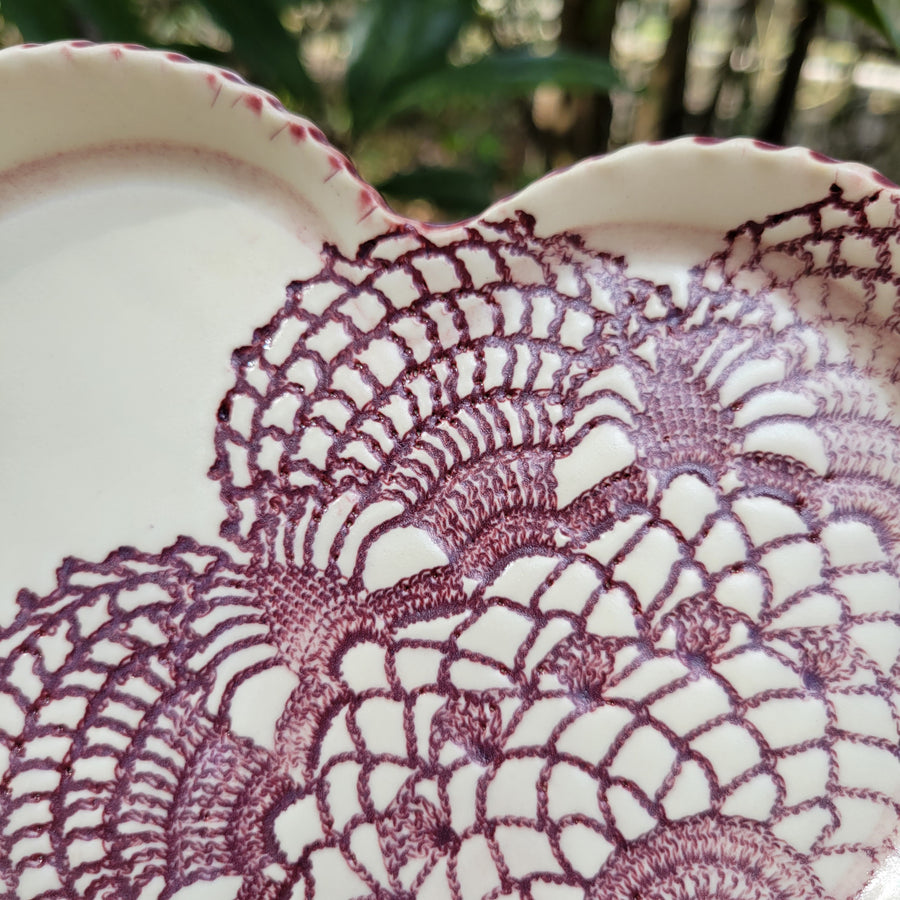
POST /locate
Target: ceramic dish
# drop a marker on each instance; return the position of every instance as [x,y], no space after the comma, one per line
[552,555]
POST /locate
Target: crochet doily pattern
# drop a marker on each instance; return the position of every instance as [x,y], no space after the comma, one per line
[538,579]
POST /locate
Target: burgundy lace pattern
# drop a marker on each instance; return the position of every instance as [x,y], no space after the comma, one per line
[538,580]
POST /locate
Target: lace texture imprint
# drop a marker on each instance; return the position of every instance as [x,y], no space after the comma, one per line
[538,580]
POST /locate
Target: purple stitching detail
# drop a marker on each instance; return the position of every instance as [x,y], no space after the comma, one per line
[412,375]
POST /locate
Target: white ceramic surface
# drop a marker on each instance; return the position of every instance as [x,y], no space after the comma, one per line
[553,554]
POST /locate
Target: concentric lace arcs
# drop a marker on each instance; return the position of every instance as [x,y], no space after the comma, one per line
[542,581]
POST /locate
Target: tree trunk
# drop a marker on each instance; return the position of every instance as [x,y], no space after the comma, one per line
[743,34]
[674,64]
[587,25]
[783,106]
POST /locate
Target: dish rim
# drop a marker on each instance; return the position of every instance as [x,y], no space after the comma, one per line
[700,166]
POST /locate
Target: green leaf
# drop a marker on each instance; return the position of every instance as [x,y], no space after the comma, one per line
[505,73]
[874,14]
[109,20]
[397,42]
[39,22]
[268,51]
[283,5]
[458,192]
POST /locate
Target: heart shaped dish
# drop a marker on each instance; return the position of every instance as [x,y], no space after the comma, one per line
[551,555]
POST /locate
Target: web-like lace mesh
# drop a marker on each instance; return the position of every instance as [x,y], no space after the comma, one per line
[564,583]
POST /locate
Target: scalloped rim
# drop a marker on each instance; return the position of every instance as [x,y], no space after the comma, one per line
[673,174]
[658,181]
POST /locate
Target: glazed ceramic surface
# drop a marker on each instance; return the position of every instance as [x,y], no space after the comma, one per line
[552,555]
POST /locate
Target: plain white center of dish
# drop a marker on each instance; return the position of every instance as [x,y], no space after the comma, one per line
[123,299]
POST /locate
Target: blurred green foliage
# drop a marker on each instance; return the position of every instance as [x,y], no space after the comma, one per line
[450,102]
